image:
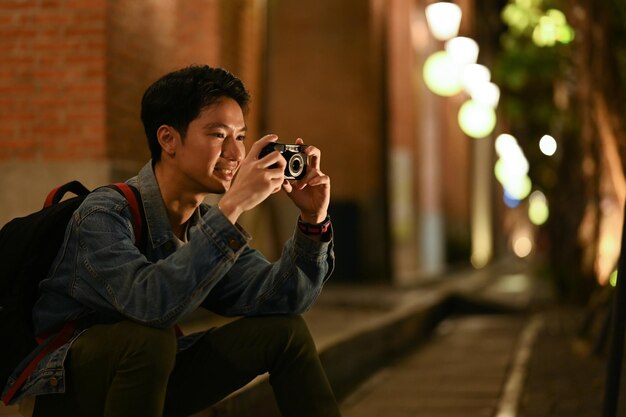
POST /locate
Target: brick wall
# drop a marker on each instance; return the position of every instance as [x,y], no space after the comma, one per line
[71,78]
[144,41]
[51,79]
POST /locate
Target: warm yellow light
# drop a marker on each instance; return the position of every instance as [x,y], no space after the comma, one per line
[479,260]
[609,239]
[443,19]
[522,247]
[476,120]
[441,74]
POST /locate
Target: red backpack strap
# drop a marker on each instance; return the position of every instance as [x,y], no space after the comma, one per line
[56,342]
[57,194]
[133,197]
[134,204]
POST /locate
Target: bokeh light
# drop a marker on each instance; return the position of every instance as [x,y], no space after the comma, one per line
[462,50]
[504,144]
[443,19]
[547,145]
[474,75]
[522,246]
[518,187]
[545,28]
[476,120]
[538,211]
[486,93]
[552,28]
[442,75]
[511,169]
[510,201]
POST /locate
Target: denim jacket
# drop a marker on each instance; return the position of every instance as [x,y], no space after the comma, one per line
[100,276]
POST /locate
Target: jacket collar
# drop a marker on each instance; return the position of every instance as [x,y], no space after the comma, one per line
[159,228]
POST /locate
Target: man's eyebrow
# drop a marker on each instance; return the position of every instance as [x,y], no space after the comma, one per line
[218,125]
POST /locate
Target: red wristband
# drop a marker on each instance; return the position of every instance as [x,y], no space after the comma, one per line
[314,229]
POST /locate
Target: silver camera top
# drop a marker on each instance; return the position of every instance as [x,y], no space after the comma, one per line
[293,154]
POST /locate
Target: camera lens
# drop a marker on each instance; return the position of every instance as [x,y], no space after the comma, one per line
[296,165]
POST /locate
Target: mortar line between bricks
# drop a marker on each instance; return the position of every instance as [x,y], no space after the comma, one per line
[514,386]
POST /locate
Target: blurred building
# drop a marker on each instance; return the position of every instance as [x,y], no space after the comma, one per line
[343,75]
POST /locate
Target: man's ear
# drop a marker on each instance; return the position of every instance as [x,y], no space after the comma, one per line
[168,139]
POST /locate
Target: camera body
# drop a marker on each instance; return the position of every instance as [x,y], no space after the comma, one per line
[293,154]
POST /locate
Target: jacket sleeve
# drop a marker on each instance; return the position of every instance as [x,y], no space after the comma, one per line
[290,285]
[112,277]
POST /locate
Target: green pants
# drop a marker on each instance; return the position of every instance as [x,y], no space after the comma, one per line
[126,369]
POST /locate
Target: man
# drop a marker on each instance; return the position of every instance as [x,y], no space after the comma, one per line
[125,359]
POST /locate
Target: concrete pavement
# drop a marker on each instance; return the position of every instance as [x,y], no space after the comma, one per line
[470,343]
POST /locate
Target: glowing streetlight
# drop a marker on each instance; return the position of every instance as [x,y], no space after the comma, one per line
[441,74]
[485,93]
[538,211]
[547,145]
[522,246]
[462,50]
[512,167]
[475,75]
[443,20]
[476,120]
[505,144]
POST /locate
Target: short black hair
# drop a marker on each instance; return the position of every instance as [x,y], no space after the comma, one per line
[178,98]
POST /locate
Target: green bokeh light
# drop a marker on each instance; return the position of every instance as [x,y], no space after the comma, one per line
[538,211]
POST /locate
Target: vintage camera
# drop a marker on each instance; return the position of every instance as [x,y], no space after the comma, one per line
[293,154]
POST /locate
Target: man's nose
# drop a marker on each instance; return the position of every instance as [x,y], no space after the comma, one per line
[233,150]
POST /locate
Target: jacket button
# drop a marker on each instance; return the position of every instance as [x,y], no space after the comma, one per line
[234,244]
[54,382]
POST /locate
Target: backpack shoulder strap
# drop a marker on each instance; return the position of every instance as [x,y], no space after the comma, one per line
[57,194]
[133,197]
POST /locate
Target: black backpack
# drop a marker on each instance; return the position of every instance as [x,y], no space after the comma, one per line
[28,246]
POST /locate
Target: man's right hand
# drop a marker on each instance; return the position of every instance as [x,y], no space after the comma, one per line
[255,180]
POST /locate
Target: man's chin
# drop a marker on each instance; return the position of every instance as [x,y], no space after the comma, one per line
[220,188]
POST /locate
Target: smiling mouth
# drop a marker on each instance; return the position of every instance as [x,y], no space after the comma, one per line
[227,173]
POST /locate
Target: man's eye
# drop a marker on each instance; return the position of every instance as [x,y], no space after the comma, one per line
[218,135]
[241,137]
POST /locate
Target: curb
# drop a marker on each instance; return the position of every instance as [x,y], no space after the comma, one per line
[355,355]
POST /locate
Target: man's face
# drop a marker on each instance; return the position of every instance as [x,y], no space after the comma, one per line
[211,152]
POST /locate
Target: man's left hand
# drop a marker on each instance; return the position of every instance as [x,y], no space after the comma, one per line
[311,194]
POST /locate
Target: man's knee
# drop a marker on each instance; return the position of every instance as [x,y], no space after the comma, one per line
[150,346]
[291,333]
[130,344]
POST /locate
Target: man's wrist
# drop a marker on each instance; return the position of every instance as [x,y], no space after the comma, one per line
[314,229]
[313,218]
[229,210]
